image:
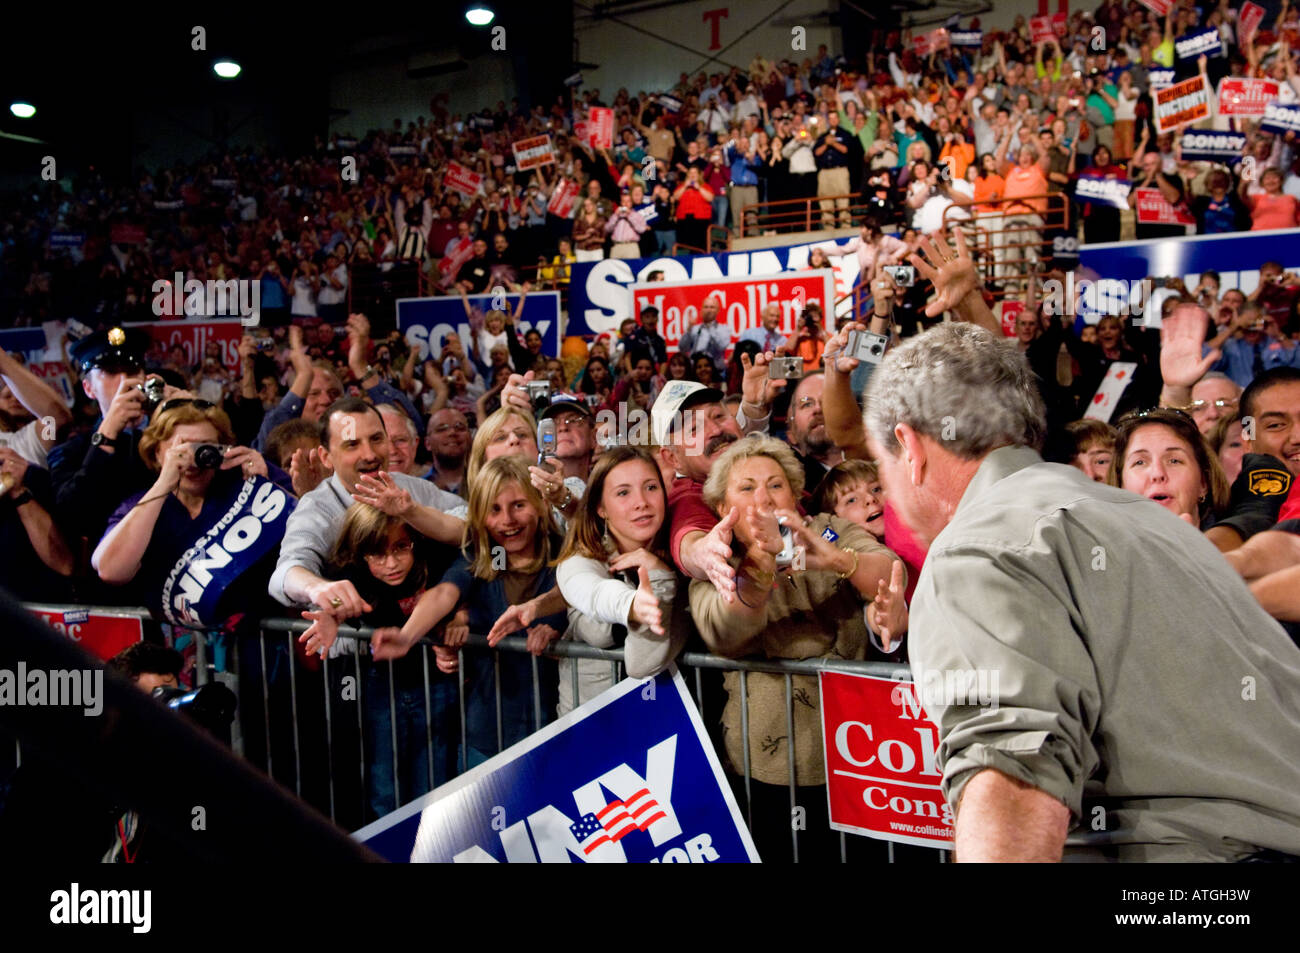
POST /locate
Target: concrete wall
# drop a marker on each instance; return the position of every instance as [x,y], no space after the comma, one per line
[648,51]
[375,95]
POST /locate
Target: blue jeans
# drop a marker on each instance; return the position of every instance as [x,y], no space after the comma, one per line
[664,241]
[412,739]
[721,205]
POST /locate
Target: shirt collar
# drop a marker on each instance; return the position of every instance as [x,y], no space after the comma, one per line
[996,466]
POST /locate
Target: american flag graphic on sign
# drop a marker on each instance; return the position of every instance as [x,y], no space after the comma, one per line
[616,820]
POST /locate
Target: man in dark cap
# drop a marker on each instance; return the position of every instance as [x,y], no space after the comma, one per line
[92,474]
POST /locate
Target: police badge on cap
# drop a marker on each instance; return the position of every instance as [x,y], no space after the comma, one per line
[117,349]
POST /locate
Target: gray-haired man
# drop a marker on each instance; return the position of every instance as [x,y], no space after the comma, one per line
[1143,692]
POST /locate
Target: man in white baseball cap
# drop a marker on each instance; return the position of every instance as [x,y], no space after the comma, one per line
[691,429]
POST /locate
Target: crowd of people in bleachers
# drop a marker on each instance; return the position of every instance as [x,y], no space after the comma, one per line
[430,496]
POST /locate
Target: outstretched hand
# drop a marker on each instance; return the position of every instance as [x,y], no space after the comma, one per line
[951,271]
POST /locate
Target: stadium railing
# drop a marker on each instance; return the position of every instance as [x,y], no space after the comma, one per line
[278,637]
[1010,237]
[800,215]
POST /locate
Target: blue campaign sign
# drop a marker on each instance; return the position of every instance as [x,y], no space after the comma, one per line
[1280,119]
[1236,256]
[25,340]
[630,777]
[426,322]
[966,37]
[1093,189]
[1212,145]
[1204,43]
[598,292]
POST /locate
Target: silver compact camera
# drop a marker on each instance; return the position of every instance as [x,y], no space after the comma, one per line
[904,275]
[786,556]
[866,346]
[153,390]
[785,369]
[539,393]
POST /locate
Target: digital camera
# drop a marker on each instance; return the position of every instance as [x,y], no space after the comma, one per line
[153,390]
[785,369]
[866,346]
[539,393]
[209,456]
[904,275]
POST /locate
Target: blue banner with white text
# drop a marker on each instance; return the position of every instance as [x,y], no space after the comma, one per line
[427,322]
[630,777]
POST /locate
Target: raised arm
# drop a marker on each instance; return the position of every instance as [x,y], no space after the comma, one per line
[40,399]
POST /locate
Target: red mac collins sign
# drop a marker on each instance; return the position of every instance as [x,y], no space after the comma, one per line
[882,773]
[102,634]
[742,301]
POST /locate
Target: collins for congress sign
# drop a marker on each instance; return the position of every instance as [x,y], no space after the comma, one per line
[882,772]
[598,298]
[630,777]
[742,301]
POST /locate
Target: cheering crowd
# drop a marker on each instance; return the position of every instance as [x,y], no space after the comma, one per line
[909,137]
[642,496]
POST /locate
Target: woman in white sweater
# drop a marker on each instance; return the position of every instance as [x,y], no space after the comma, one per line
[616,577]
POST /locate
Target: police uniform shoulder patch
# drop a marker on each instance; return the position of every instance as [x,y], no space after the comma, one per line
[1270,482]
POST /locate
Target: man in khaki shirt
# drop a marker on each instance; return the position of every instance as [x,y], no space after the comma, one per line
[660,141]
[1145,700]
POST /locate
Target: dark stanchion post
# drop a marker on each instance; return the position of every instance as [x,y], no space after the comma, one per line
[428,718]
[329,730]
[392,728]
[537,696]
[361,726]
[266,701]
[794,794]
[496,678]
[293,701]
[744,734]
[460,696]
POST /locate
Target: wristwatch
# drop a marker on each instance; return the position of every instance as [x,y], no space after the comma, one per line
[99,438]
[24,496]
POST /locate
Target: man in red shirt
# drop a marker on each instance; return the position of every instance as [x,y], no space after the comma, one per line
[691,429]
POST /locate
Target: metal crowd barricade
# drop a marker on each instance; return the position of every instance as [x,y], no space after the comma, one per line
[691,663]
[272,630]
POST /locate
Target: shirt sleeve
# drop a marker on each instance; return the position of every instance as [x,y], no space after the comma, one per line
[690,514]
[589,588]
[993,617]
[289,407]
[644,653]
[308,536]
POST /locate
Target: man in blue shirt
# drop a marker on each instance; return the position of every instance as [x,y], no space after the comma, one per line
[744,181]
[708,336]
[832,155]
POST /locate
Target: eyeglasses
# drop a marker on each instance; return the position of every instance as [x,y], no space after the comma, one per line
[569,422]
[198,403]
[1223,403]
[806,402]
[1157,413]
[403,547]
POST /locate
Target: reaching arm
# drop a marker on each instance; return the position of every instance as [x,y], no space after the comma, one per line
[40,399]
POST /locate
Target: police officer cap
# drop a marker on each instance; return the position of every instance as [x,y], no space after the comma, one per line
[117,349]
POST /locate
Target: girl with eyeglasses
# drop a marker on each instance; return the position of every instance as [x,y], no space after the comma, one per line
[505,582]
[391,567]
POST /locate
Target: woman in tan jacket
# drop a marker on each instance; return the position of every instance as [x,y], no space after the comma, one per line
[812,607]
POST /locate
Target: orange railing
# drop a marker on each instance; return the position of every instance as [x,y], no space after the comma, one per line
[1010,237]
[798,215]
